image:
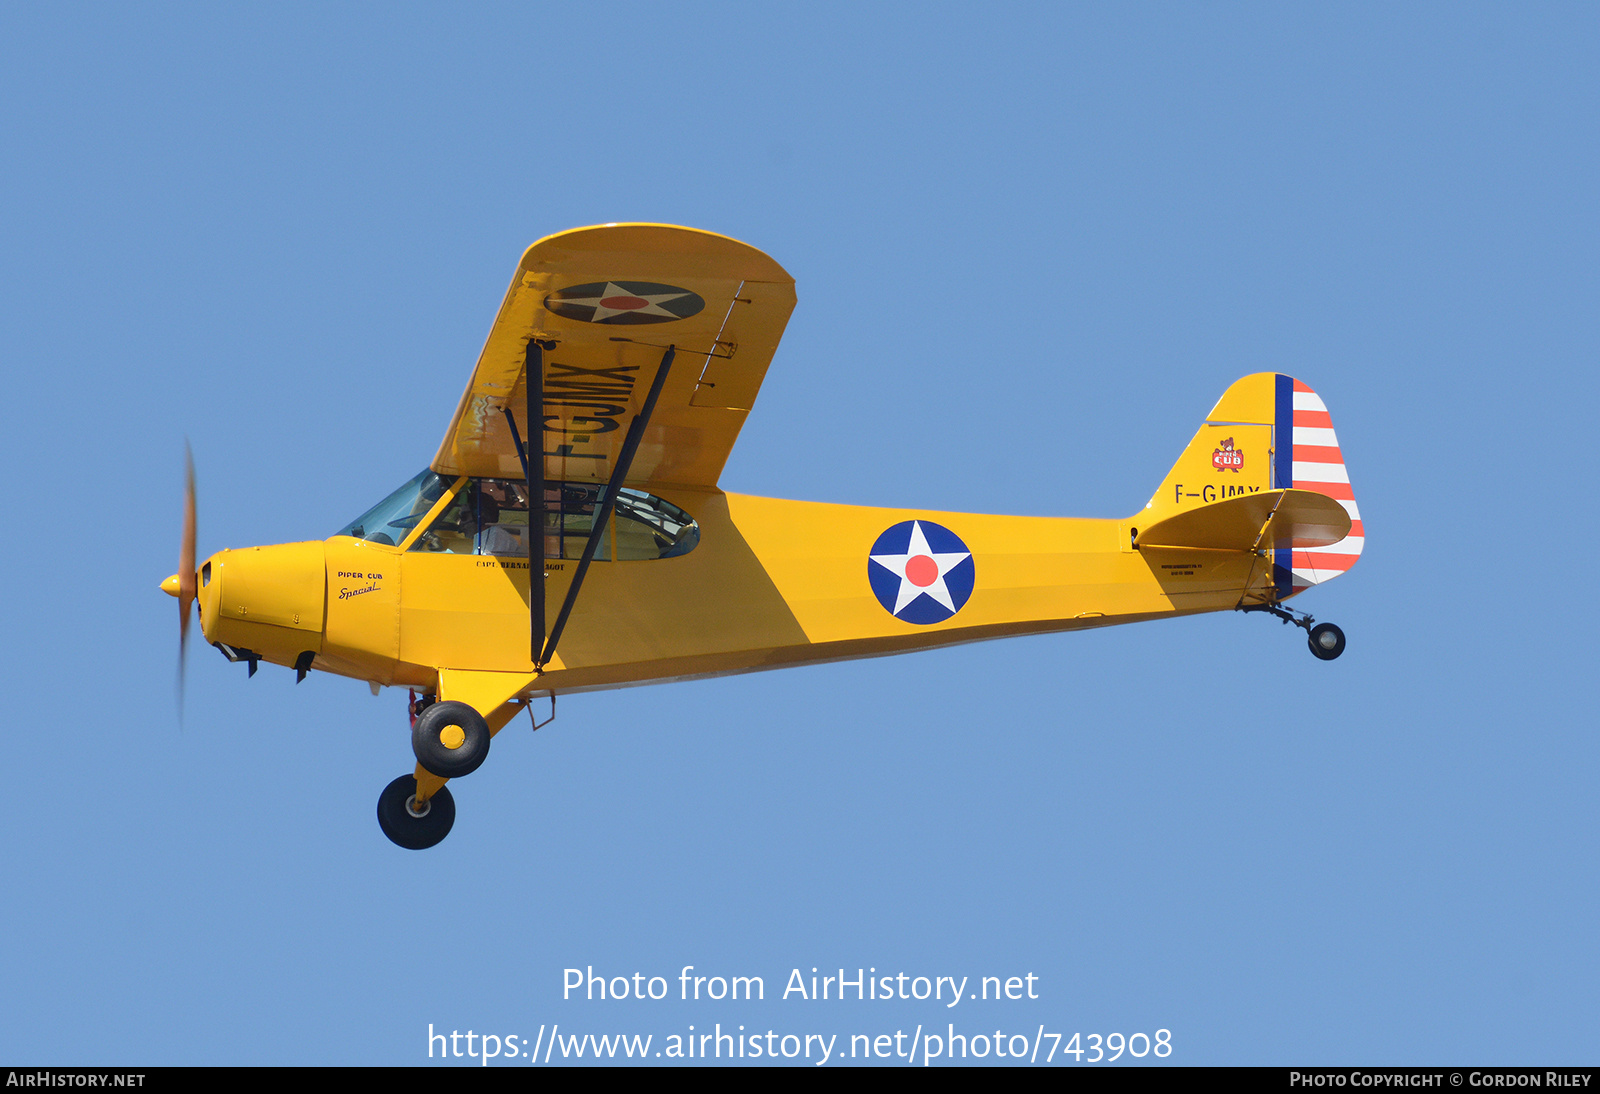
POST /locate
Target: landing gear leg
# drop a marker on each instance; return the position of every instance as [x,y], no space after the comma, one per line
[1325,639]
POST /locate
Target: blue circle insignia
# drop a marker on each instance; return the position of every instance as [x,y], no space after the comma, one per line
[620,303]
[920,572]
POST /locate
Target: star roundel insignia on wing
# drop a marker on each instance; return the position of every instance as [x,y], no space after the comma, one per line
[920,572]
[624,302]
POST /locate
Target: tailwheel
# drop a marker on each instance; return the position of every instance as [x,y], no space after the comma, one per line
[412,826]
[450,739]
[1326,641]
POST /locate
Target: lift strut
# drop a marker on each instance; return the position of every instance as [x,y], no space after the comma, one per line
[603,510]
[533,383]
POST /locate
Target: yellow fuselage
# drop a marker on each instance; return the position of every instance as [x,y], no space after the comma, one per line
[771,583]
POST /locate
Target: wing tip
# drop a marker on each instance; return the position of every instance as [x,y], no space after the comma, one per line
[644,237]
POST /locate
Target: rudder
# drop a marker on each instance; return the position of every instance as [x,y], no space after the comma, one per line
[1269,431]
[1316,463]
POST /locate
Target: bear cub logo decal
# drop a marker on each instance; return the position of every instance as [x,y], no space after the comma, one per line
[1227,458]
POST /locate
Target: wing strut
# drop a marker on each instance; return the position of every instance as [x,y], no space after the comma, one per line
[602,516]
[533,381]
[533,384]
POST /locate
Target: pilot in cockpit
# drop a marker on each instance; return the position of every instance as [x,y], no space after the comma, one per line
[495,538]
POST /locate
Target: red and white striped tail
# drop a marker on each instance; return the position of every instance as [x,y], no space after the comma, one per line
[1319,466]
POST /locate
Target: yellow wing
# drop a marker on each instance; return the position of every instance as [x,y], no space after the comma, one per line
[606,302]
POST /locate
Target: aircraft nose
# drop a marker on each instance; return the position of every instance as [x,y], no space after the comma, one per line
[266,598]
[170,585]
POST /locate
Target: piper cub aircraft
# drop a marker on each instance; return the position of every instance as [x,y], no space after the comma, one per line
[569,535]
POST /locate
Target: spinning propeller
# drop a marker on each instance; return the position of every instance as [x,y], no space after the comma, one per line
[182,584]
[186,578]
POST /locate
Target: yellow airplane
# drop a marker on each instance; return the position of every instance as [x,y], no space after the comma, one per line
[631,354]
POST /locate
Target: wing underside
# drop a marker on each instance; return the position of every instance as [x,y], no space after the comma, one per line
[604,304]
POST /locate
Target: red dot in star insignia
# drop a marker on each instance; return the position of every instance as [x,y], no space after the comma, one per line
[922,571]
[624,303]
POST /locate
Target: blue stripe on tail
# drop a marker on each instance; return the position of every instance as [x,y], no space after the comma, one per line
[1283,473]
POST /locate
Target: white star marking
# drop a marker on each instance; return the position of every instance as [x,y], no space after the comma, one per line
[653,307]
[918,549]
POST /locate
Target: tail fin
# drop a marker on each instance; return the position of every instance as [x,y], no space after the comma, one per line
[1267,432]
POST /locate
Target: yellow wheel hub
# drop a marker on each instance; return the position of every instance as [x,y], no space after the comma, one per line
[452,737]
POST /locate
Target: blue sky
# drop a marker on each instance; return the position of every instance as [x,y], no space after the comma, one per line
[1032,247]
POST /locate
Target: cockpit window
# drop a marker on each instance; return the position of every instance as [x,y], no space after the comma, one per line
[490,517]
[486,517]
[391,520]
[650,527]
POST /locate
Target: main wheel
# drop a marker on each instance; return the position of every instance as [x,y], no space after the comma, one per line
[1327,641]
[409,826]
[450,739]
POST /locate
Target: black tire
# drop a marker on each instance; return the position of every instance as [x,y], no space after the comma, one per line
[437,756]
[410,830]
[1326,641]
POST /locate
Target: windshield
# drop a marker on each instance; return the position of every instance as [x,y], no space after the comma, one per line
[391,520]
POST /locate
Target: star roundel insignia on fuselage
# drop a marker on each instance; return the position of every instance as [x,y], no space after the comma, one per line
[920,572]
[624,302]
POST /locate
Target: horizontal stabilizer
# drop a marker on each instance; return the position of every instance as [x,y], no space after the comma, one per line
[1260,521]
